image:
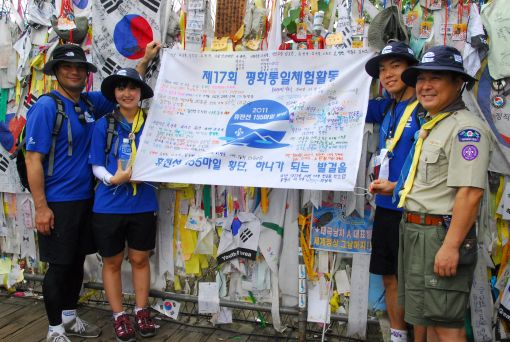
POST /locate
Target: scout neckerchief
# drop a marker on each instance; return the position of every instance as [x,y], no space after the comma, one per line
[392,138]
[416,157]
[455,106]
[392,141]
[138,122]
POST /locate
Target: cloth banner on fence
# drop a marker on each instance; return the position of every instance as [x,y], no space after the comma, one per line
[122,29]
[335,232]
[279,119]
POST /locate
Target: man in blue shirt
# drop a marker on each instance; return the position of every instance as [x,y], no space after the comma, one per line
[62,188]
[398,126]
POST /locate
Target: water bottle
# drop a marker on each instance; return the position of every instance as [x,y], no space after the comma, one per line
[125,153]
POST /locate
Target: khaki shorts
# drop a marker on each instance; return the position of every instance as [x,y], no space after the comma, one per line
[430,300]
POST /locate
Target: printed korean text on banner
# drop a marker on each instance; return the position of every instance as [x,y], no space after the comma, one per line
[333,231]
[280,119]
[122,30]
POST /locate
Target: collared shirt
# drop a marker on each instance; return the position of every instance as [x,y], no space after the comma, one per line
[455,154]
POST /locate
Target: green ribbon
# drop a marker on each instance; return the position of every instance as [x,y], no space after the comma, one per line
[4,95]
[273,226]
[206,198]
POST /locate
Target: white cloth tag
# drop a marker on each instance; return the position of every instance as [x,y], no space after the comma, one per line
[343,285]
[384,171]
[196,219]
[481,302]
[318,309]
[222,317]
[358,305]
[165,233]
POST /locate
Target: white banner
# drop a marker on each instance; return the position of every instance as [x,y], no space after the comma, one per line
[279,119]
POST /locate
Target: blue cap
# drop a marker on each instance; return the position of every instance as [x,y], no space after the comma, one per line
[391,50]
[438,58]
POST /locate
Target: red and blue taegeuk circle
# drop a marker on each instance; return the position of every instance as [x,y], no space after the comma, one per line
[81,4]
[131,35]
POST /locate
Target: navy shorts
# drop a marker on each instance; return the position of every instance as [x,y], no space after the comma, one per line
[112,231]
[384,260]
[72,234]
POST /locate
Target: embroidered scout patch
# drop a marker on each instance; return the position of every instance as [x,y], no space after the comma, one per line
[469,135]
[469,152]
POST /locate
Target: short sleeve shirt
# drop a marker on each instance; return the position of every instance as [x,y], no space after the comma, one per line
[380,111]
[118,199]
[455,154]
[72,178]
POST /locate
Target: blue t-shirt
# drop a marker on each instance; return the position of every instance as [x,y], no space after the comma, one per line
[118,199]
[379,111]
[72,178]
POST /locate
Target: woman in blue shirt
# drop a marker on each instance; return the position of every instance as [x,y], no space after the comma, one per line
[124,211]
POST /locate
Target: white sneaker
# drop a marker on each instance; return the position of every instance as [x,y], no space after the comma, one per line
[81,328]
[57,337]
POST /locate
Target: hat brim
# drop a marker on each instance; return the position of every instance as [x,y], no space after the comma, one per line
[372,66]
[410,75]
[108,87]
[49,67]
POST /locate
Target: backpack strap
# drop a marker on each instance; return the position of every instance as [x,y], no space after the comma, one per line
[57,126]
[90,106]
[110,133]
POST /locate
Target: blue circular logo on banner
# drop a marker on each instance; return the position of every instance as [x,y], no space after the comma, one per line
[131,35]
[258,124]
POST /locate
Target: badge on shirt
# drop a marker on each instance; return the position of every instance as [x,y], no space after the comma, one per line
[469,152]
[469,135]
[89,118]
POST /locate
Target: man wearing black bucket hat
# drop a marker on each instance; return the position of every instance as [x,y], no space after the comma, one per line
[123,211]
[444,186]
[399,122]
[61,183]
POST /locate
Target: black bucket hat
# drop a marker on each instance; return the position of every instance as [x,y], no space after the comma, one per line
[125,74]
[438,58]
[392,49]
[67,53]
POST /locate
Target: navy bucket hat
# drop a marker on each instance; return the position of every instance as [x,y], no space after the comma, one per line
[67,53]
[125,74]
[391,50]
[438,58]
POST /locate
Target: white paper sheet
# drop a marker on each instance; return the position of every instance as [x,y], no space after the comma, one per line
[208,299]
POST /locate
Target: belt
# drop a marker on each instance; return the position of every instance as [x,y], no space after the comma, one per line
[425,219]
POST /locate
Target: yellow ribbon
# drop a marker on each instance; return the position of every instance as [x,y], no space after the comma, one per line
[305,223]
[408,185]
[264,200]
[402,124]
[135,128]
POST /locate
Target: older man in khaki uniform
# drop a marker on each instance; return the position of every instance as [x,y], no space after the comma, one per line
[441,196]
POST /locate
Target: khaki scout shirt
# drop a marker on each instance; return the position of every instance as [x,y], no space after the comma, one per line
[455,154]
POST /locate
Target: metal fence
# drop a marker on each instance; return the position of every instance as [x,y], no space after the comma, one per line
[295,320]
